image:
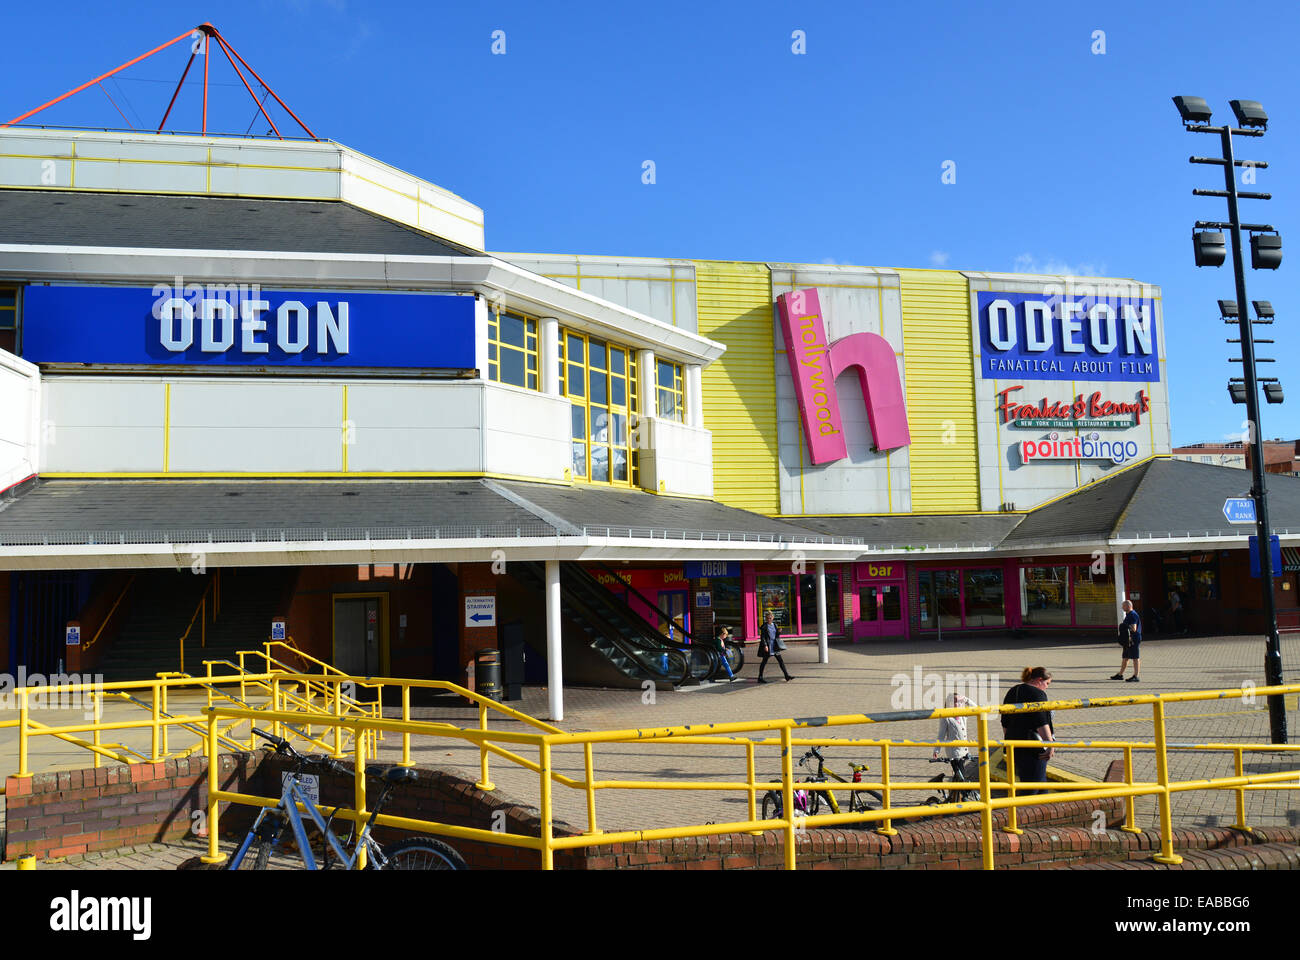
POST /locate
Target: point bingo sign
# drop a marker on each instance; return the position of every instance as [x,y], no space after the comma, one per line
[1033,337]
[1091,447]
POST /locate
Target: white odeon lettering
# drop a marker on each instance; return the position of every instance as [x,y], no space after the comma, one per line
[1036,316]
[216,321]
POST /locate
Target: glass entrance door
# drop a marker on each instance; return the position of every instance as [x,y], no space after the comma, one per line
[880,610]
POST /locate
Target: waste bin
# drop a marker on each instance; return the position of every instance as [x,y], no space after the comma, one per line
[487,673]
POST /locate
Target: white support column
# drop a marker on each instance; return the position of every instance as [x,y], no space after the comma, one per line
[1121,591]
[823,641]
[694,384]
[554,664]
[481,312]
[648,385]
[548,341]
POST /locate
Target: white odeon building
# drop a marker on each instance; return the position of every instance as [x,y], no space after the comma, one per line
[209,342]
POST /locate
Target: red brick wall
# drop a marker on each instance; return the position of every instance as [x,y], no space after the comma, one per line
[77,811]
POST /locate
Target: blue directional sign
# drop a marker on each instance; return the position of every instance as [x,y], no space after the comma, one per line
[1239,510]
[1276,551]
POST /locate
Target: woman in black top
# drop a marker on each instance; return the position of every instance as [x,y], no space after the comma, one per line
[1031,764]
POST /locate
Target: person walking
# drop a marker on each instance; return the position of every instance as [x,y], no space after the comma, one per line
[1030,764]
[722,636]
[770,645]
[1130,639]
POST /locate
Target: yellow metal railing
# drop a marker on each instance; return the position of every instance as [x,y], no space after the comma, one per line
[210,600]
[992,795]
[109,616]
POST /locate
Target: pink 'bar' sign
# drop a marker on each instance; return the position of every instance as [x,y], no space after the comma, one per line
[814,365]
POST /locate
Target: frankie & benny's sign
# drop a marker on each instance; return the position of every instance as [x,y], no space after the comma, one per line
[1067,337]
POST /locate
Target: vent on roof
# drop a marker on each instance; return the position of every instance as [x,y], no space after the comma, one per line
[1008,507]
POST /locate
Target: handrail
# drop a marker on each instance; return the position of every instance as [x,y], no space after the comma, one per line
[212,587]
[992,796]
[112,610]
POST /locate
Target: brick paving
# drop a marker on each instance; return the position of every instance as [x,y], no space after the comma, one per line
[857,680]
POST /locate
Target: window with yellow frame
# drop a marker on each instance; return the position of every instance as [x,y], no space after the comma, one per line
[670,394]
[599,380]
[8,308]
[512,349]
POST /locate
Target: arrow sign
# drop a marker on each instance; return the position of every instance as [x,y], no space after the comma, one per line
[481,611]
[1239,510]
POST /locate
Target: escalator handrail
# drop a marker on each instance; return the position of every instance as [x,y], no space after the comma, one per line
[696,638]
[623,644]
[708,650]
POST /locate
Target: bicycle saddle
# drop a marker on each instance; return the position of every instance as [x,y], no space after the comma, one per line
[392,775]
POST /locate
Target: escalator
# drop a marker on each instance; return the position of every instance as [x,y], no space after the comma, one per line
[608,643]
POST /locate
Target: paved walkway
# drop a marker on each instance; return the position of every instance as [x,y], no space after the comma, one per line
[870,678]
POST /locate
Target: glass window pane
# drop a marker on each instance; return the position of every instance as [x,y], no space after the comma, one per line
[512,330]
[597,360]
[578,414]
[1094,598]
[620,463]
[618,391]
[618,425]
[600,462]
[893,601]
[667,405]
[576,349]
[940,599]
[579,459]
[599,386]
[599,425]
[8,296]
[776,596]
[665,377]
[492,351]
[984,607]
[617,360]
[808,603]
[532,362]
[512,367]
[1045,596]
[575,382]
[867,601]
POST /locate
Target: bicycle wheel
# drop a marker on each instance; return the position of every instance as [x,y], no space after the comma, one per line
[814,802]
[771,805]
[256,857]
[858,801]
[422,853]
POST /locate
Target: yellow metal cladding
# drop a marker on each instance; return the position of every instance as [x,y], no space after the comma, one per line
[735,308]
[940,391]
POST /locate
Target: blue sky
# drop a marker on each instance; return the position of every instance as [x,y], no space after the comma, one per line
[1065,159]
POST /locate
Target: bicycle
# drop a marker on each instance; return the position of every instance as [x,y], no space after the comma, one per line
[274,825]
[811,799]
[964,770]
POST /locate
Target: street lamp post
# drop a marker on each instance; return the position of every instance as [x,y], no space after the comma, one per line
[1196,115]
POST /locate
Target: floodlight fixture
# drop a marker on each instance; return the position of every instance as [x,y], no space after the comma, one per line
[1263,309]
[1265,251]
[1249,113]
[1193,109]
[1237,391]
[1228,309]
[1273,392]
[1209,247]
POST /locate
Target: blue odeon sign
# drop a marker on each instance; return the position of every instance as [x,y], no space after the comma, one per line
[1037,337]
[235,325]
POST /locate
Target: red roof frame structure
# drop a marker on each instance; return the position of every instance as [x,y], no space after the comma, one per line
[204,35]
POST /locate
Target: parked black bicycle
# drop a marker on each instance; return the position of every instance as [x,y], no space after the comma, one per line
[964,770]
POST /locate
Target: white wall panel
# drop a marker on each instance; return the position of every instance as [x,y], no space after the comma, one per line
[424,426]
[527,433]
[20,414]
[256,426]
[678,458]
[103,425]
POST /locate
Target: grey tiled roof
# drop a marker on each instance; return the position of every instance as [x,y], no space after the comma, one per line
[74,218]
[1177,497]
[984,530]
[70,512]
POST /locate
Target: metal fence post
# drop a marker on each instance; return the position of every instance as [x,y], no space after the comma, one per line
[1166,854]
[214,808]
[544,764]
[752,791]
[986,813]
[1241,793]
[1009,755]
[1130,802]
[156,717]
[787,795]
[590,763]
[886,828]
[96,717]
[406,736]
[22,733]
[485,782]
